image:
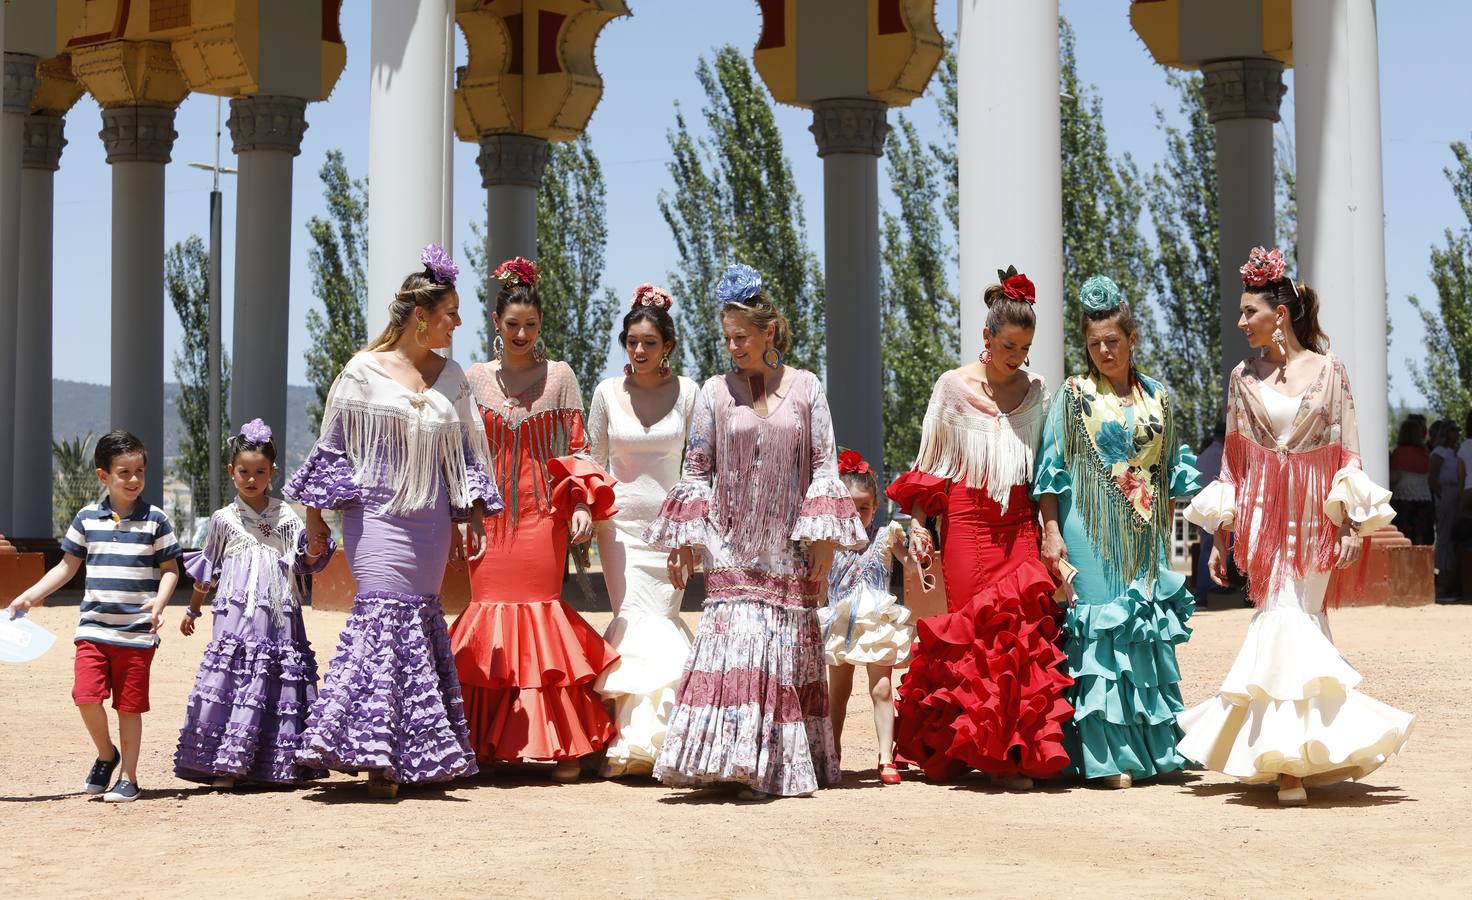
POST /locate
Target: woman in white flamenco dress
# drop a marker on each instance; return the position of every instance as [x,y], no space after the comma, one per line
[1294,498]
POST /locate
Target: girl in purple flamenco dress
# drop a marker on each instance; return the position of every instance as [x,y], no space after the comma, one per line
[403,455]
[258,676]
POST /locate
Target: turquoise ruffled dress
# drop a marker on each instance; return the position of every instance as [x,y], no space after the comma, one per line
[1121,634]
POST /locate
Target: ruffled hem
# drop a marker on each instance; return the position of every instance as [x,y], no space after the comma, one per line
[641,722]
[1335,736]
[927,491]
[482,488]
[577,481]
[1050,476]
[1287,655]
[1126,695]
[828,514]
[684,519]
[1183,474]
[207,751]
[867,628]
[1355,497]
[651,655]
[717,745]
[544,644]
[547,723]
[391,701]
[200,568]
[324,481]
[1214,508]
[985,688]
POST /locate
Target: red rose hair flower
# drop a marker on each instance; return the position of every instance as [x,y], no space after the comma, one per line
[1017,286]
[517,270]
[851,462]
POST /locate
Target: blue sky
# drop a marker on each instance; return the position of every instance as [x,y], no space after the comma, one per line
[648,62]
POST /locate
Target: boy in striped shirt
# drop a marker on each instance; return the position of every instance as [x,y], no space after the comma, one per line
[131,552]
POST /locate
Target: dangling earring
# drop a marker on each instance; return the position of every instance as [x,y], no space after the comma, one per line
[985,357]
[664,367]
[539,351]
[628,370]
[419,334]
[767,352]
[1280,338]
[1027,360]
[498,346]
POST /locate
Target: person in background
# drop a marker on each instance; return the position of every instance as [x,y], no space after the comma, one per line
[1410,492]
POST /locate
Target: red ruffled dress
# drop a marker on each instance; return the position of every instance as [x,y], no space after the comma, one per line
[526,660]
[985,689]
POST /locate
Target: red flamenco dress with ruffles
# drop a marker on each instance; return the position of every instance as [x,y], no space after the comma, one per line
[526,660]
[985,689]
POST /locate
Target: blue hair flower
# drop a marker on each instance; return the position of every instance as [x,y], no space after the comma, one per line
[740,283]
[1099,294]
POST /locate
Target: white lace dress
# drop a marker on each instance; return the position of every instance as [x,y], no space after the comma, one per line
[647,631]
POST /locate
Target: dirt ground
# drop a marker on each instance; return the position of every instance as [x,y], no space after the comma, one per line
[515,833]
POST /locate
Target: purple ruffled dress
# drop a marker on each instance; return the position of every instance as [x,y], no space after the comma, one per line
[258,676]
[391,700]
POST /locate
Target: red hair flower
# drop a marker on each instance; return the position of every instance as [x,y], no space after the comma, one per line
[851,462]
[1263,266]
[517,270]
[1017,286]
[648,295]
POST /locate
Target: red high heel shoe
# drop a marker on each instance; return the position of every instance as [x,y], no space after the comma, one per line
[889,773]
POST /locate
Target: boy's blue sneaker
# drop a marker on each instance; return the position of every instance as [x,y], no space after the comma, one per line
[124,791]
[101,774]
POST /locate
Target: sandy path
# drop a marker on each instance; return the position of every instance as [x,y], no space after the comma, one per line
[515,833]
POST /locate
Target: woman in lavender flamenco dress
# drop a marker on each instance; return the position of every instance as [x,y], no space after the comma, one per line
[403,455]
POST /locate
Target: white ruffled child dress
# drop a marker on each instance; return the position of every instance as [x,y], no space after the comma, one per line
[863,623]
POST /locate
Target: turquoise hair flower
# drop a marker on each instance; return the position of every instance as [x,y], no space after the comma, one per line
[1099,294]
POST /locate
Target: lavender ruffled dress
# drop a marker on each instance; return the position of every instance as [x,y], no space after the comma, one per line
[401,467]
[258,677]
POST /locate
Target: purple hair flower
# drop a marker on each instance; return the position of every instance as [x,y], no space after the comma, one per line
[256,431]
[439,264]
[740,283]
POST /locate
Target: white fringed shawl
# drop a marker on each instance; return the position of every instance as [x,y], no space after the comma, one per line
[396,438]
[254,554]
[966,439]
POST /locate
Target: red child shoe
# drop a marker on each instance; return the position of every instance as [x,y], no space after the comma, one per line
[888,773]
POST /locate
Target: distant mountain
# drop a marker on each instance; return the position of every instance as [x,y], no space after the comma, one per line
[78,407]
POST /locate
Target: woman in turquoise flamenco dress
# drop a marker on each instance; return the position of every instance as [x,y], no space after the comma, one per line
[1107,474]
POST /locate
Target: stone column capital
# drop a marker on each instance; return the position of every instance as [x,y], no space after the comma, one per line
[20,81]
[512,159]
[1250,88]
[268,122]
[44,138]
[856,125]
[138,133]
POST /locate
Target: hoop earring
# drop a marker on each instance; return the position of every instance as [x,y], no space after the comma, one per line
[498,347]
[628,370]
[985,357]
[770,364]
[664,367]
[419,334]
[539,351]
[1280,338]
[1027,360]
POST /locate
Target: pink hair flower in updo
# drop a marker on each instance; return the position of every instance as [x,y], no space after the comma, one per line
[648,295]
[1263,266]
[441,268]
[517,270]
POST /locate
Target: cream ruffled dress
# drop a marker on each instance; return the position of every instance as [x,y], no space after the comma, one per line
[863,623]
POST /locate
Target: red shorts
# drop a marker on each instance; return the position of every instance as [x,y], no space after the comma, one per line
[104,670]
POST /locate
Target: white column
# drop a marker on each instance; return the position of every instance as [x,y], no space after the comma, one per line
[42,157]
[1010,148]
[1341,203]
[511,170]
[139,140]
[267,135]
[408,132]
[1242,98]
[18,87]
[850,135]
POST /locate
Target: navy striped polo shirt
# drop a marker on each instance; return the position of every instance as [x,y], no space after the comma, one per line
[123,556]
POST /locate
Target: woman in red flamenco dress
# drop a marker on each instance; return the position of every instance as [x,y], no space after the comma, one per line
[526,660]
[985,686]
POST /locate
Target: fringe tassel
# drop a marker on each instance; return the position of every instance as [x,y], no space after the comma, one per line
[388,444]
[763,466]
[1129,545]
[260,572]
[991,454]
[540,437]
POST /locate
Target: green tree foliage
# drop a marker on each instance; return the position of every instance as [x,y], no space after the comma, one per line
[338,261]
[735,198]
[1184,347]
[187,281]
[920,313]
[1445,375]
[74,480]
[1101,204]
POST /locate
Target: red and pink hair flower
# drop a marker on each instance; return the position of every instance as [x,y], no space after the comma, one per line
[517,270]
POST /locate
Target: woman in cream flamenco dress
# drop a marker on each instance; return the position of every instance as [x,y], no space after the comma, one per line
[1298,505]
[651,639]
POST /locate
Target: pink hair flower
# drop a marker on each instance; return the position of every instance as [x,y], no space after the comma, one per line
[648,295]
[1263,267]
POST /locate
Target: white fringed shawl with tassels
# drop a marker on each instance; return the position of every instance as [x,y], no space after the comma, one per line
[408,441]
[966,439]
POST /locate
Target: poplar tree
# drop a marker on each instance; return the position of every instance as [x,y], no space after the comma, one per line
[1444,375]
[186,280]
[338,261]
